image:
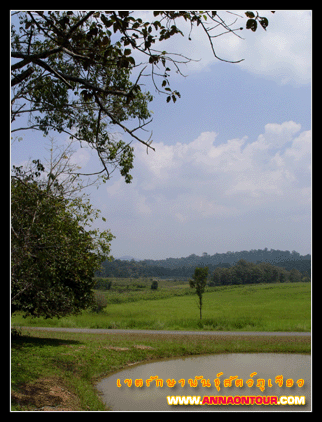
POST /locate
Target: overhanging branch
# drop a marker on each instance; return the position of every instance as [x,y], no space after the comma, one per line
[130,132]
[22,76]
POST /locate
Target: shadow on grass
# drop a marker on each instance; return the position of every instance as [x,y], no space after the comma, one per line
[27,340]
[32,356]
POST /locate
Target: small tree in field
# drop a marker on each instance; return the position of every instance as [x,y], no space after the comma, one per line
[99,302]
[199,281]
[154,285]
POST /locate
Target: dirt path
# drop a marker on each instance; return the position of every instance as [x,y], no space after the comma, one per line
[167,332]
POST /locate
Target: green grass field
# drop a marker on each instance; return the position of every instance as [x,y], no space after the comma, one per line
[58,371]
[261,307]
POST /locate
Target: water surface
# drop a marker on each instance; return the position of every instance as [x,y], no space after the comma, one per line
[267,367]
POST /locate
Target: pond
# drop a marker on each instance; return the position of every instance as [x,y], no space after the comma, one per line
[145,387]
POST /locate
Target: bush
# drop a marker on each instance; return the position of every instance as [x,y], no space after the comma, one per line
[15,333]
[102,284]
[99,302]
[154,285]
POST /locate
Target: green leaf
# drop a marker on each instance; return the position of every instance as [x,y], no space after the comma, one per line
[127,52]
[153,59]
[131,60]
[107,22]
[157,24]
[123,13]
[263,22]
[250,14]
[251,24]
[105,41]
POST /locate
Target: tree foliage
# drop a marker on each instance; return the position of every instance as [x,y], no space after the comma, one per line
[274,256]
[53,256]
[80,72]
[244,272]
[154,285]
[184,267]
[199,282]
[99,302]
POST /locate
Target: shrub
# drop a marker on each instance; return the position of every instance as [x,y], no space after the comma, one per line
[154,285]
[99,302]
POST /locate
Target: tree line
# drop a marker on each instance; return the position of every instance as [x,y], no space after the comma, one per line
[264,271]
[244,272]
[274,256]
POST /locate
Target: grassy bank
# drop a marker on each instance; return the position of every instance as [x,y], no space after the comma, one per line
[262,307]
[58,371]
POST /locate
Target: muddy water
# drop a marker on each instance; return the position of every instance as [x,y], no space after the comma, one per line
[200,369]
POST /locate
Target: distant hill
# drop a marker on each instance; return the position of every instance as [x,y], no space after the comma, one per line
[127,266]
[127,258]
[274,256]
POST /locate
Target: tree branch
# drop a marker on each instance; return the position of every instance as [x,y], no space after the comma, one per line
[28,285]
[148,145]
[31,57]
[22,76]
[80,22]
[20,64]
[51,70]
[212,46]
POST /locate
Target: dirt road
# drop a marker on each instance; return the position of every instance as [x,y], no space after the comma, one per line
[167,332]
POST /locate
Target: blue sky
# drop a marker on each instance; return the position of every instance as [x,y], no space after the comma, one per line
[232,166]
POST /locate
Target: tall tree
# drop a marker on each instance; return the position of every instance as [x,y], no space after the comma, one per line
[53,252]
[80,72]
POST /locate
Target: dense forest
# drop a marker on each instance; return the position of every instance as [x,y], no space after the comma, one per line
[244,272]
[274,256]
[184,267]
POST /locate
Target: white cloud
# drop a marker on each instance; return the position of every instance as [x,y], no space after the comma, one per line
[205,180]
[283,52]
[80,157]
[276,135]
[300,150]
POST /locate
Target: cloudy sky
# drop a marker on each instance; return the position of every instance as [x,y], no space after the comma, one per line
[232,166]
